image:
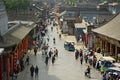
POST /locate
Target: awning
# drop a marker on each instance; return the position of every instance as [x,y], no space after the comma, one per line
[107,58]
[80,25]
[21,32]
[110,29]
[70,39]
[98,56]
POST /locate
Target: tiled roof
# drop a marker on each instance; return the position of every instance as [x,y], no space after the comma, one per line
[15,35]
[110,29]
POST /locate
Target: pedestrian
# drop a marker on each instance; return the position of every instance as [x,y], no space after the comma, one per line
[36,71]
[60,36]
[89,71]
[14,76]
[86,58]
[21,65]
[35,51]
[50,53]
[94,62]
[102,69]
[81,59]
[104,77]
[27,60]
[32,70]
[48,39]
[81,53]
[51,28]
[46,49]
[56,52]
[54,40]
[46,60]
[18,64]
[53,59]
[76,54]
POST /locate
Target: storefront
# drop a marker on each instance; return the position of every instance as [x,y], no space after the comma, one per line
[107,38]
[15,47]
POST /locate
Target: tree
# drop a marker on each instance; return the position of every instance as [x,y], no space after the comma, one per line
[17,4]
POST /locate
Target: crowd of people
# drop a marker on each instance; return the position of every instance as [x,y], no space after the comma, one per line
[92,61]
[111,76]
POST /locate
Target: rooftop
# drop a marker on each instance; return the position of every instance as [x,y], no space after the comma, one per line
[111,29]
[17,33]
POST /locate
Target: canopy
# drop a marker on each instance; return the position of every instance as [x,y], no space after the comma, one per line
[98,56]
[107,58]
[70,39]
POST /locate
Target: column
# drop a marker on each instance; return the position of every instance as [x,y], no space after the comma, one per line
[116,53]
[110,49]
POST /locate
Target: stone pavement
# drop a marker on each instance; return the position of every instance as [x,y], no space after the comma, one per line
[65,67]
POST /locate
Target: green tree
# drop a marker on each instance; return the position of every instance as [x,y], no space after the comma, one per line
[17,4]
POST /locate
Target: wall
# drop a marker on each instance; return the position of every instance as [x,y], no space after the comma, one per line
[3,19]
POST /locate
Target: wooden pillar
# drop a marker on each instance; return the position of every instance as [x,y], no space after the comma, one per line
[106,47]
[15,60]
[110,49]
[116,53]
[100,43]
[96,43]
[8,67]
[11,63]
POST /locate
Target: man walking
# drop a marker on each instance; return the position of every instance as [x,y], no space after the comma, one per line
[53,59]
[36,71]
[81,59]
[46,60]
[54,40]
[32,71]
[35,50]
[21,65]
[27,60]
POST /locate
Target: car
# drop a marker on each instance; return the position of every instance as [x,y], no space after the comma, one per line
[113,69]
[113,72]
[68,45]
[107,62]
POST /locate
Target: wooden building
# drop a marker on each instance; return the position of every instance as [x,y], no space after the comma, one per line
[15,44]
[107,37]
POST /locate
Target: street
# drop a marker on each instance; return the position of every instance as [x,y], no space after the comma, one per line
[65,67]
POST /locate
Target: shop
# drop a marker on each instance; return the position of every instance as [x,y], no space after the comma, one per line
[16,45]
[107,38]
